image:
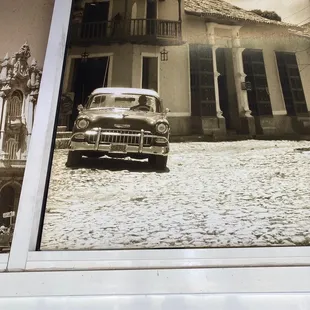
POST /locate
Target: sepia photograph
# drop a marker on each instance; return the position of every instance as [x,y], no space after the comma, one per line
[23,40]
[181,124]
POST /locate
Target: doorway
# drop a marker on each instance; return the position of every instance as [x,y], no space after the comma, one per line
[7,203]
[227,88]
[150,73]
[151,16]
[258,96]
[95,19]
[87,76]
[291,83]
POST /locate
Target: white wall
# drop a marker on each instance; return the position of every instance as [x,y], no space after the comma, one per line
[194,31]
[168,9]
[173,75]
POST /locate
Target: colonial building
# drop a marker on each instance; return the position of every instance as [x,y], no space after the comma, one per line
[19,86]
[219,69]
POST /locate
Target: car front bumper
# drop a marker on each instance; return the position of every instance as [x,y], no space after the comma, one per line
[98,146]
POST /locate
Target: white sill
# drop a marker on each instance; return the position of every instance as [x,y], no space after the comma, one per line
[156,282]
[170,258]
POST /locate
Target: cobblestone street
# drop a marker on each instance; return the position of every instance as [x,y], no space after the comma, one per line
[249,193]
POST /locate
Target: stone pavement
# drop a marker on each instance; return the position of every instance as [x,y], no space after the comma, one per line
[246,193]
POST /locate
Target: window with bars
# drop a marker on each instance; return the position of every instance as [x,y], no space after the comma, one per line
[15,105]
[293,93]
[202,80]
[11,148]
[258,96]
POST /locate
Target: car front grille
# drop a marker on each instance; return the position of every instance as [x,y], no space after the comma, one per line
[129,137]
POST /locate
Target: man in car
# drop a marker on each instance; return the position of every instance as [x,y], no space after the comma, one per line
[142,104]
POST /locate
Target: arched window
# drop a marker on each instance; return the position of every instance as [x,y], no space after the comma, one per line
[7,203]
[15,105]
[11,147]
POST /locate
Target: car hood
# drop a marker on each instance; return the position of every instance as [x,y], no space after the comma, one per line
[131,120]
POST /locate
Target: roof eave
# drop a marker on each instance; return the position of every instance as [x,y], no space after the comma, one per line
[244,21]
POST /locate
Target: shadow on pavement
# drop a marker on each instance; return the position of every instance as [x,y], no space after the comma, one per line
[111,164]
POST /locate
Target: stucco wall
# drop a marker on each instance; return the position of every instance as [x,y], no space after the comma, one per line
[118,6]
[168,10]
[174,94]
[140,8]
[277,40]
[259,37]
[22,21]
[194,30]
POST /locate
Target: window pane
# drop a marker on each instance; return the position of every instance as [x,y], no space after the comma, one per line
[20,75]
[112,186]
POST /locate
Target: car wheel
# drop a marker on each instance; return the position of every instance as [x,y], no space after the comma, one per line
[74,158]
[158,162]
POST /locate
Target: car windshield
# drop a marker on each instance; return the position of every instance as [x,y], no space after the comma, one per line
[123,101]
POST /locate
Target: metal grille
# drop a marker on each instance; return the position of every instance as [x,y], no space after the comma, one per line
[254,68]
[129,137]
[11,148]
[15,104]
[202,80]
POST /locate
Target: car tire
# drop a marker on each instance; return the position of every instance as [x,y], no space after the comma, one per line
[73,159]
[158,162]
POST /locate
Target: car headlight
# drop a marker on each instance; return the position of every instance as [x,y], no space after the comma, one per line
[162,128]
[82,123]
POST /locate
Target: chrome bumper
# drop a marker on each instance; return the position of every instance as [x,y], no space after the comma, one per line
[140,148]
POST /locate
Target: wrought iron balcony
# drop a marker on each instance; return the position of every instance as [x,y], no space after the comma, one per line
[136,31]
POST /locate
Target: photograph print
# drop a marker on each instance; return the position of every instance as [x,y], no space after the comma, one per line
[181,124]
[23,39]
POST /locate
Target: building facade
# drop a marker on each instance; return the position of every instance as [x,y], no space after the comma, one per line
[19,88]
[20,77]
[219,69]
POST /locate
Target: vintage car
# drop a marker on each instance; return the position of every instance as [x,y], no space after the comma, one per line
[119,123]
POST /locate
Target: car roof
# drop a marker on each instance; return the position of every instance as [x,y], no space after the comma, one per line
[127,90]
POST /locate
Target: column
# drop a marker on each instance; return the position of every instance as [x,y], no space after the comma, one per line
[210,27]
[239,74]
[2,129]
[1,107]
[219,112]
[30,116]
[211,40]
[180,26]
[29,121]
[24,110]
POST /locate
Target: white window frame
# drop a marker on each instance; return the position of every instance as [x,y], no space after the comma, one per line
[229,270]
[70,66]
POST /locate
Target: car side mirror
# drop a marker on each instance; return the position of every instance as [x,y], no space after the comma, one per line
[80,108]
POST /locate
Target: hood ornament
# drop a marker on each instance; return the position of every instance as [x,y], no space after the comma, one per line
[122,125]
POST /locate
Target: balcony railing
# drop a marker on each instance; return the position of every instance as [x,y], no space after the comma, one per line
[132,31]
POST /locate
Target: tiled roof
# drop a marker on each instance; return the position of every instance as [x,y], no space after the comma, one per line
[304,31]
[223,9]
[307,26]
[300,33]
